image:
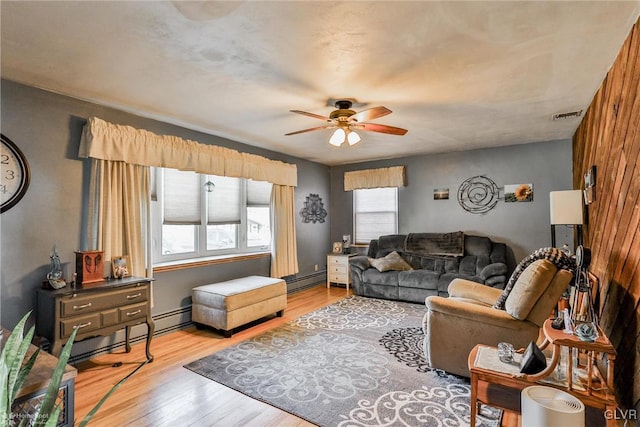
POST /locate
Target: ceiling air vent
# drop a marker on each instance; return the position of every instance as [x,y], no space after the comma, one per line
[564,116]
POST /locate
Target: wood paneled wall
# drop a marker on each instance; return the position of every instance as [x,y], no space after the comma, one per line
[609,138]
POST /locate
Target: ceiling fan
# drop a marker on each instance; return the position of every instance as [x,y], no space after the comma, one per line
[345,121]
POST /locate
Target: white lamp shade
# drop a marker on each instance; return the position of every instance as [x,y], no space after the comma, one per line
[547,406]
[353,138]
[565,207]
[337,138]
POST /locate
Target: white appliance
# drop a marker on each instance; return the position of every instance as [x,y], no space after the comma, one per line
[549,407]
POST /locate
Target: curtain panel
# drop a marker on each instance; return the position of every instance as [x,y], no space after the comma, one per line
[119,215]
[375,178]
[107,141]
[284,251]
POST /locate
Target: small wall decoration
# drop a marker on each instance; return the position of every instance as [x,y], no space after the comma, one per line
[590,186]
[478,194]
[518,193]
[120,266]
[313,210]
[441,194]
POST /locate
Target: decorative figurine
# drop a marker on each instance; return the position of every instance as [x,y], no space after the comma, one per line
[55,275]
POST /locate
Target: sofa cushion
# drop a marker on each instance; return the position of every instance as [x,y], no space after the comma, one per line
[468,265]
[477,245]
[531,284]
[423,279]
[390,243]
[373,276]
[392,261]
[555,255]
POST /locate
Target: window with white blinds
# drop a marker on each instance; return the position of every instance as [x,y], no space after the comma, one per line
[191,222]
[223,203]
[375,213]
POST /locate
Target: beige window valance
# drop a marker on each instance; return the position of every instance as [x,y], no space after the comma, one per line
[375,178]
[107,141]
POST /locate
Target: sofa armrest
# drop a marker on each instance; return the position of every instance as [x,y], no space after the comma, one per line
[462,288]
[495,269]
[473,313]
[360,262]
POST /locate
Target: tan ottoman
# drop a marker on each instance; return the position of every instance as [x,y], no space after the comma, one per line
[227,305]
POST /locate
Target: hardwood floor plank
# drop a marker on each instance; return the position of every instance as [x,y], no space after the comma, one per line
[164,393]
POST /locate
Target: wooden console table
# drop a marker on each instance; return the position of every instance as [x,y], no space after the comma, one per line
[595,391]
[96,309]
[30,395]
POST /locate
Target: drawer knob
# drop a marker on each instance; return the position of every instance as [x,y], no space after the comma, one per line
[83,325]
[134,296]
[134,313]
[80,307]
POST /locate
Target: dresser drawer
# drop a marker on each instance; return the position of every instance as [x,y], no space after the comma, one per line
[75,305]
[134,311]
[88,323]
[338,278]
[338,269]
[338,261]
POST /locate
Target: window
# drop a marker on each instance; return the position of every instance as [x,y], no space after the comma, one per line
[191,222]
[375,213]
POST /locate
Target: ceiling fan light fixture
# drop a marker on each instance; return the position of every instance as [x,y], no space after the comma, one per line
[337,138]
[353,138]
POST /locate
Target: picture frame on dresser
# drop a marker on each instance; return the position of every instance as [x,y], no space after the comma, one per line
[337,247]
[120,266]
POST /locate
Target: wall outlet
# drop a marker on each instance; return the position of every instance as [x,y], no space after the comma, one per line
[315,267]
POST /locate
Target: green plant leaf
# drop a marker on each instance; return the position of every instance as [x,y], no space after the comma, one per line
[49,401]
[24,372]
[11,359]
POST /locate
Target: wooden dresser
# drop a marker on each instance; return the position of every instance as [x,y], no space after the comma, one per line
[97,309]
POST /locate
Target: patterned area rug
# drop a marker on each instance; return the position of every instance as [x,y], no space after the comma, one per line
[358,362]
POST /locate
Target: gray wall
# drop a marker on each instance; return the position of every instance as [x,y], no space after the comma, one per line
[47,128]
[523,226]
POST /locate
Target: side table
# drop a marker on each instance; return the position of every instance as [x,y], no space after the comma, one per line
[338,269]
[595,392]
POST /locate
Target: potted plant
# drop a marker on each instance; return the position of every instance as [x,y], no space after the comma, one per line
[14,369]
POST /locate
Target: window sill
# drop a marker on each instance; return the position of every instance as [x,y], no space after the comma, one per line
[203,262]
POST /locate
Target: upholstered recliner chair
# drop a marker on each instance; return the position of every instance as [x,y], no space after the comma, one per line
[454,325]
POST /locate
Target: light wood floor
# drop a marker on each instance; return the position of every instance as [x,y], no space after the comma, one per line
[163,393]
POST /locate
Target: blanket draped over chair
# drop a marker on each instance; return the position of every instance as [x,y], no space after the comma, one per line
[425,244]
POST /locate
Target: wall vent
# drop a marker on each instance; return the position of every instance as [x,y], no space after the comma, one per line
[569,115]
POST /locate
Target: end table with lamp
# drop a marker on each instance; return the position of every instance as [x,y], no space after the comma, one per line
[593,390]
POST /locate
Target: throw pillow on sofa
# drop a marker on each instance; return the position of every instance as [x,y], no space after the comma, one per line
[392,261]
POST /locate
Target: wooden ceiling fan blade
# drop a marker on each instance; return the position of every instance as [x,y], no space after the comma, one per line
[315,116]
[374,127]
[370,114]
[310,129]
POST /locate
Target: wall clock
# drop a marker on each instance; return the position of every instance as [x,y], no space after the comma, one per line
[14,176]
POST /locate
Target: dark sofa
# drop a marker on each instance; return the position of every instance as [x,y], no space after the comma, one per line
[478,259]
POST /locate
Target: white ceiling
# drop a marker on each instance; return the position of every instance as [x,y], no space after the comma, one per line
[457,75]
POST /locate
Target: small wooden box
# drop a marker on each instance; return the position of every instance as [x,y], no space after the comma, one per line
[89,267]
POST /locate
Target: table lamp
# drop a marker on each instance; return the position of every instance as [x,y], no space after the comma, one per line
[565,208]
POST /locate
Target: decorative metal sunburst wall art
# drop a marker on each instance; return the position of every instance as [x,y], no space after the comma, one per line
[313,210]
[478,194]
